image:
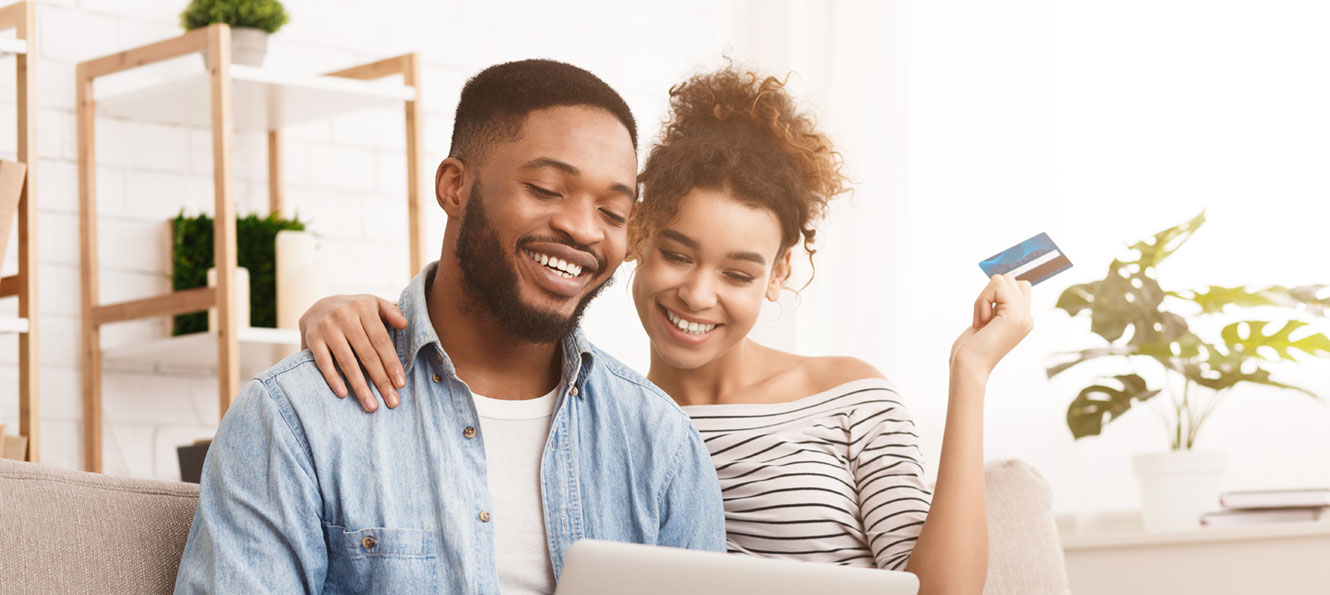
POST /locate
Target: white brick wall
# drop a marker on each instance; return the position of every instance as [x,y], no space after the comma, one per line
[345,175]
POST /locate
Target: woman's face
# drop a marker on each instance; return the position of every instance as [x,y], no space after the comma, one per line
[702,277]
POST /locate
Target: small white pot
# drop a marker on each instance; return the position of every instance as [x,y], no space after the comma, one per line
[1177,487]
[248,46]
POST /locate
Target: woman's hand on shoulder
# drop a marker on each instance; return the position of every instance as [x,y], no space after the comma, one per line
[345,332]
[1001,319]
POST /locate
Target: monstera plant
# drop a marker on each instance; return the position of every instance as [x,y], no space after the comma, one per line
[1170,359]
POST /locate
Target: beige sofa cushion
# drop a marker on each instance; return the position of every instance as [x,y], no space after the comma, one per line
[70,532]
[1024,552]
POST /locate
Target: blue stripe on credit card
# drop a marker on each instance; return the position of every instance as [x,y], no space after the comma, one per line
[1033,260]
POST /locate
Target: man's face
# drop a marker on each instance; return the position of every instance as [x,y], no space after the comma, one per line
[544,226]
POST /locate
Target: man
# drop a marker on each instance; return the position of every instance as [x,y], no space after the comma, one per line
[516,437]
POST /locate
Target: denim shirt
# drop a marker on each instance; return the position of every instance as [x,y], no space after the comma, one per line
[305,492]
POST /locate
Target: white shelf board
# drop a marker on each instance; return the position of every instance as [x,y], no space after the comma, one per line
[263,99]
[260,348]
[13,325]
[1123,530]
[13,46]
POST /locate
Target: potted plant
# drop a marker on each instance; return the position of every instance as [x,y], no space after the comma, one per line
[1171,360]
[251,22]
[256,247]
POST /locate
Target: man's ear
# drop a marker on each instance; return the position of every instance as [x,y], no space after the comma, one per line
[779,275]
[449,187]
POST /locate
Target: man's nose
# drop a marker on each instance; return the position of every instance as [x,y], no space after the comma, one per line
[577,219]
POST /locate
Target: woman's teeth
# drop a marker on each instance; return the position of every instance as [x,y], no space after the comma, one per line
[692,328]
[562,268]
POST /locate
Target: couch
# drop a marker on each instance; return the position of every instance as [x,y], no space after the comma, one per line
[71,532]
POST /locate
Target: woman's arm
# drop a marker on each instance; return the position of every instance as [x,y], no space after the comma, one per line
[345,332]
[951,555]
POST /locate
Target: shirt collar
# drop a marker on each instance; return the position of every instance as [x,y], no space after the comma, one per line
[578,354]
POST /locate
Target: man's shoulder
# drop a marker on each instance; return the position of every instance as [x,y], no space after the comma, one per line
[298,388]
[294,374]
[619,373]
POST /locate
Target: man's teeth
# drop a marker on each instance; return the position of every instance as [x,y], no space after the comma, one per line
[562,268]
[692,328]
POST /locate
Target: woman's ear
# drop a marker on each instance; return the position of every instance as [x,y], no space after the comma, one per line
[779,275]
[448,187]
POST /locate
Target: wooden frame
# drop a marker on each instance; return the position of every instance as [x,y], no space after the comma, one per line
[215,43]
[21,17]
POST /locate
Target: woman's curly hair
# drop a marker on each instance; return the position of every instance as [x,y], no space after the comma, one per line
[740,133]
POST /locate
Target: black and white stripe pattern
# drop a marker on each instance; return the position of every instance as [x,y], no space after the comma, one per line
[834,477]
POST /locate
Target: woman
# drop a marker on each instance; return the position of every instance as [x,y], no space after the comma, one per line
[817,457]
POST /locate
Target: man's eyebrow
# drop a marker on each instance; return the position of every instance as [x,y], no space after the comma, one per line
[553,163]
[571,170]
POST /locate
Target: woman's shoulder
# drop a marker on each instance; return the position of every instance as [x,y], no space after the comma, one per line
[814,375]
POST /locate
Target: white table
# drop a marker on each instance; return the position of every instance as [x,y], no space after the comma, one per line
[1109,554]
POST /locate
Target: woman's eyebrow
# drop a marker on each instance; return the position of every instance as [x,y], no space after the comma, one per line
[677,236]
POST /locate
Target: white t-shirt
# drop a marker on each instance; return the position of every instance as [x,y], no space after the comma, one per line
[514,434]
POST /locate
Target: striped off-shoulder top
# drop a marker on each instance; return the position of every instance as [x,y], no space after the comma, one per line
[833,477]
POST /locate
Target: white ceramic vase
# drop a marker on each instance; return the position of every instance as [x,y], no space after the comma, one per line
[1177,487]
[248,46]
[300,280]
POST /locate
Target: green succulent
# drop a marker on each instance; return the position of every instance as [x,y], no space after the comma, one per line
[266,15]
[1129,310]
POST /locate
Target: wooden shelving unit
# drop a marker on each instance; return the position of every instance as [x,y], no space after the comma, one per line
[21,17]
[228,99]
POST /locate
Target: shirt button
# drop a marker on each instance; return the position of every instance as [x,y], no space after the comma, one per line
[484,516]
[438,378]
[573,391]
[368,543]
[469,432]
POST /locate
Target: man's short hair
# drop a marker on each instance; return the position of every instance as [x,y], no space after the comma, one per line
[495,103]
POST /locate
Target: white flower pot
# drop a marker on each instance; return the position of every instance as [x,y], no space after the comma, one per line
[248,46]
[1177,487]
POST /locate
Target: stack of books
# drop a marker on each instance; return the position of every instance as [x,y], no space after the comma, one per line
[1259,507]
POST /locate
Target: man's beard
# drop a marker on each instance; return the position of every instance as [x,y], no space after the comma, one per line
[491,280]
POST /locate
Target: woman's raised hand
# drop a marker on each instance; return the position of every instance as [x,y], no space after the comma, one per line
[1001,320]
[346,332]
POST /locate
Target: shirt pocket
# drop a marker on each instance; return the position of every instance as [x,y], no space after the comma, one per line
[382,559]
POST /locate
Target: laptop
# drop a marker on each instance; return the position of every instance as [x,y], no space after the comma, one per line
[610,568]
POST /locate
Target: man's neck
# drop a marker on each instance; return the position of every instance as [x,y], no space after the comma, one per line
[489,359]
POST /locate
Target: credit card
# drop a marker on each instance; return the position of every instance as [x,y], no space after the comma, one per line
[1033,260]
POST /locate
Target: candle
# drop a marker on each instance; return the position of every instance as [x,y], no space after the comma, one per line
[241,297]
[300,280]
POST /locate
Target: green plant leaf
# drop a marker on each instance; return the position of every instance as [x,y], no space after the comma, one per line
[1153,251]
[1085,355]
[1215,299]
[1280,341]
[1076,298]
[266,15]
[1224,378]
[1100,404]
[256,238]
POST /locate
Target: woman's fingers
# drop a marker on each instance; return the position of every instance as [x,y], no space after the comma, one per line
[378,335]
[983,306]
[346,360]
[368,354]
[391,314]
[323,359]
